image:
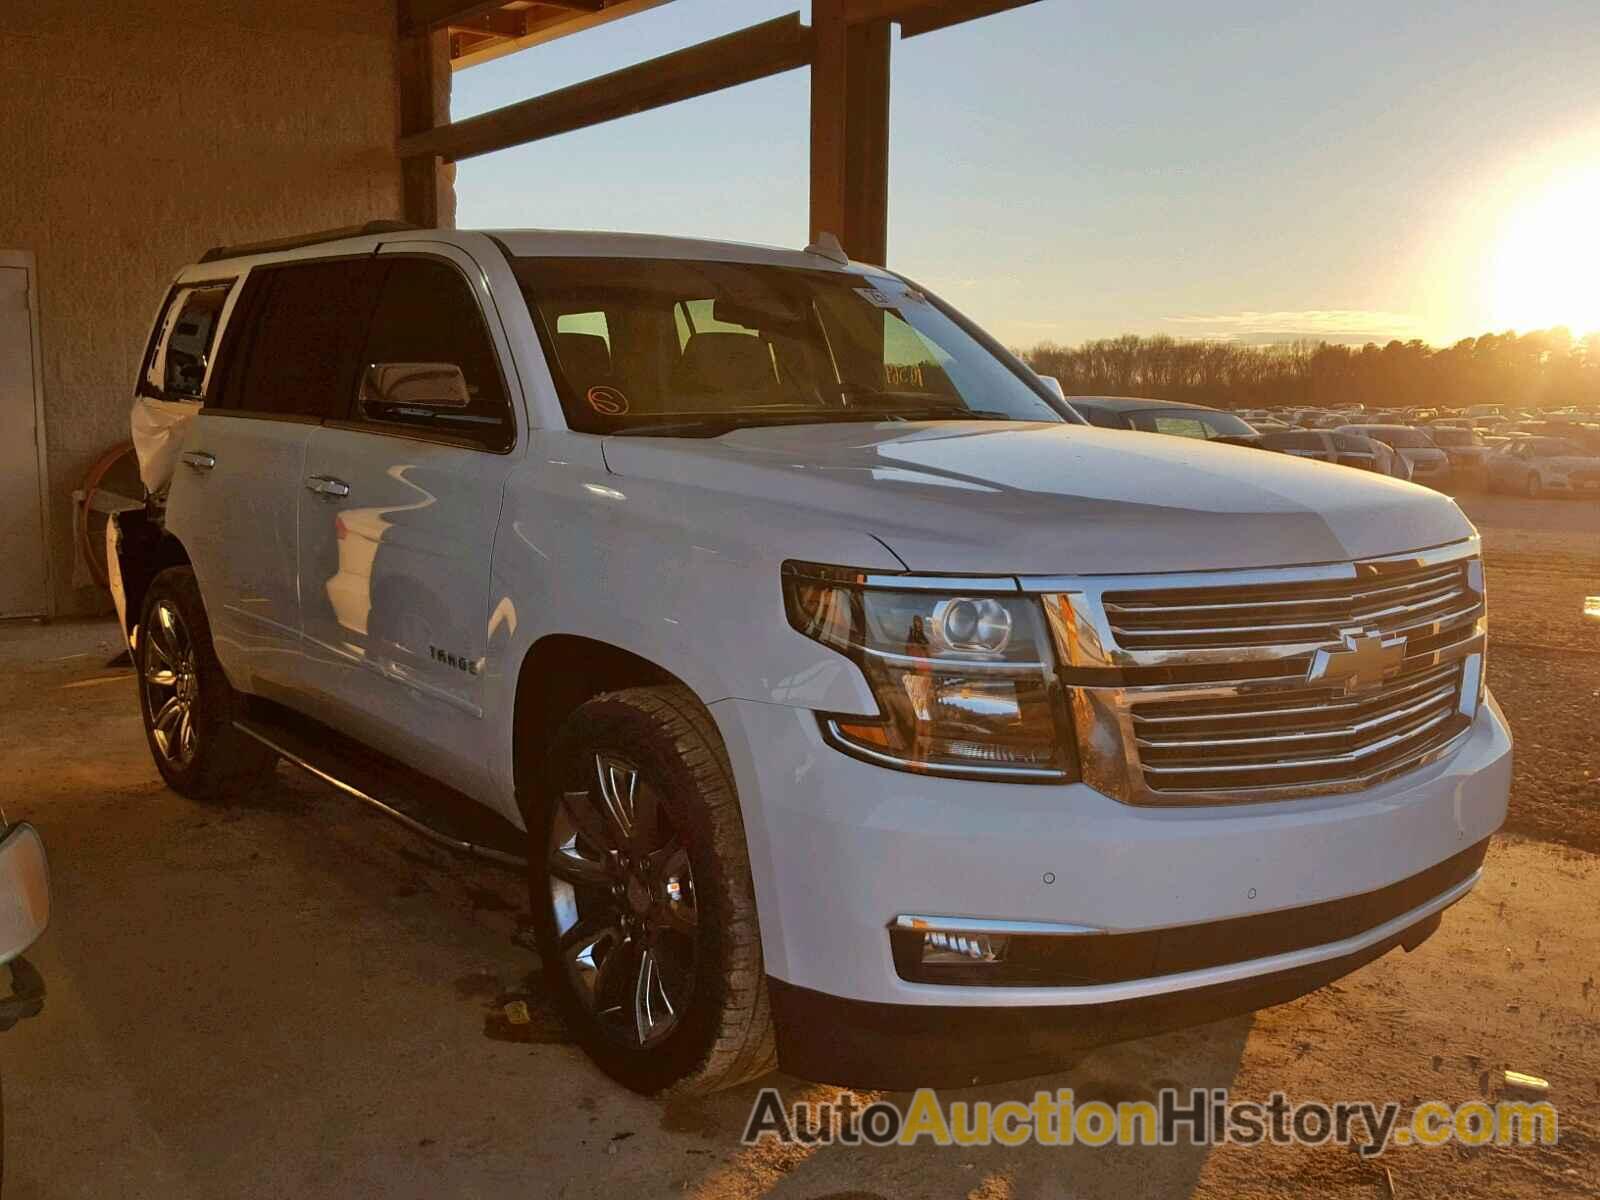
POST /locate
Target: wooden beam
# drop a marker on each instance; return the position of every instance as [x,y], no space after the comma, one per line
[419,15]
[924,16]
[502,22]
[428,194]
[941,14]
[828,80]
[761,50]
[850,131]
[866,143]
[545,24]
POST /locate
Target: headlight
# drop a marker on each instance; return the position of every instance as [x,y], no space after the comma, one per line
[961,673]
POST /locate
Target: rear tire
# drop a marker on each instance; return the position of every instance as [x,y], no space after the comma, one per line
[187,702]
[642,898]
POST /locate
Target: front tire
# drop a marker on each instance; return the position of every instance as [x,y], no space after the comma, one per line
[642,898]
[187,702]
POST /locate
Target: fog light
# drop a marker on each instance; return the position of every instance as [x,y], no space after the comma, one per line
[962,948]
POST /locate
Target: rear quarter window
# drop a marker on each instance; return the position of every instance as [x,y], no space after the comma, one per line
[178,360]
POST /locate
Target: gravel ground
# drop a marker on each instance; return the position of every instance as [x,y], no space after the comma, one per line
[298,998]
[1543,561]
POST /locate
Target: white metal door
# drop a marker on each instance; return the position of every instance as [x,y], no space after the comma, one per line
[25,581]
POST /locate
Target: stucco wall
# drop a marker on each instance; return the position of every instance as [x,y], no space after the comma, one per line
[135,135]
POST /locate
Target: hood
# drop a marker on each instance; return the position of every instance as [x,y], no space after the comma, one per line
[1026,498]
[1420,453]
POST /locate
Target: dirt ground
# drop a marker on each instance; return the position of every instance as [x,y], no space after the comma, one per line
[297,998]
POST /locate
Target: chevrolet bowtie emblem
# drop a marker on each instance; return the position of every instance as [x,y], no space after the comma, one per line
[1364,661]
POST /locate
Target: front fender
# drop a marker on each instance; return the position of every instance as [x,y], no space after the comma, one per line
[673,574]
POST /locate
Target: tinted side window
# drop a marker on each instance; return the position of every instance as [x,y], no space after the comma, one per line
[1100,417]
[1304,443]
[426,316]
[181,351]
[292,343]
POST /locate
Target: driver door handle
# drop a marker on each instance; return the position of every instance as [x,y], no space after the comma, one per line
[326,485]
[199,460]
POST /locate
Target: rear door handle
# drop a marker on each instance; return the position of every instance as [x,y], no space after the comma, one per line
[326,485]
[199,460]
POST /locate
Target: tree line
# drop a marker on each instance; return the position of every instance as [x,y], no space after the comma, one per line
[1545,369]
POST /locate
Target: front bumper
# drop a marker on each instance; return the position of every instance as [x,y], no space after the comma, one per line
[840,848]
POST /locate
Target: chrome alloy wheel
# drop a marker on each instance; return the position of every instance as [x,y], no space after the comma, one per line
[624,903]
[171,685]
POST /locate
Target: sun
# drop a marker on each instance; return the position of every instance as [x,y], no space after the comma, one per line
[1545,270]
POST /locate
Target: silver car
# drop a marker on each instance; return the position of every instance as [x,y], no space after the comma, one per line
[1538,466]
[1429,464]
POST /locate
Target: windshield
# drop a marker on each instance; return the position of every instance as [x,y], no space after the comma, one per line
[686,348]
[1190,422]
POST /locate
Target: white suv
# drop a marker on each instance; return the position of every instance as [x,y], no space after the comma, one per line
[856,708]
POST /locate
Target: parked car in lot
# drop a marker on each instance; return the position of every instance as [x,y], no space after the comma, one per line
[1347,449]
[1538,466]
[1464,447]
[1165,416]
[853,706]
[1429,464]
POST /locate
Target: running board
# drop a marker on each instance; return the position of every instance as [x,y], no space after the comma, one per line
[372,776]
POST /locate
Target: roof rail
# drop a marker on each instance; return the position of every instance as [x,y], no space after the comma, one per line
[305,239]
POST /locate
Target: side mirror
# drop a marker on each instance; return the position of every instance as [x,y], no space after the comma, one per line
[1054,384]
[398,390]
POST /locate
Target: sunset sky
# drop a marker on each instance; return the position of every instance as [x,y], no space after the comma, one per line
[1071,170]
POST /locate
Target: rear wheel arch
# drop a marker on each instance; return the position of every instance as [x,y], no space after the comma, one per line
[144,550]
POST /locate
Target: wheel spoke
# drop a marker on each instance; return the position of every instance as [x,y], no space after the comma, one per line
[612,980]
[162,639]
[170,637]
[159,651]
[580,808]
[167,715]
[652,1009]
[186,734]
[567,864]
[588,932]
[619,784]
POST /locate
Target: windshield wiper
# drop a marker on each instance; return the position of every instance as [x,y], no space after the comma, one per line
[908,406]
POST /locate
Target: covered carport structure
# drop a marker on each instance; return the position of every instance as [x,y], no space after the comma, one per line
[846,46]
[123,158]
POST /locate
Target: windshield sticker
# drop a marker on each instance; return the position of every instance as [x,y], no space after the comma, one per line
[607,401]
[904,377]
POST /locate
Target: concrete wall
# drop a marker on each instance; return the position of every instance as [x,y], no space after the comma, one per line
[135,135]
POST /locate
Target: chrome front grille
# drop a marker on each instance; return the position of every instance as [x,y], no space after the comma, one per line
[1274,614]
[1299,737]
[1235,686]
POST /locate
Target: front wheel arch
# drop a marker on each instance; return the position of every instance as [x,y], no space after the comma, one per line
[559,673]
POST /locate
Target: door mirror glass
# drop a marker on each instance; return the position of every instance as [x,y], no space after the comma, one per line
[397,391]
